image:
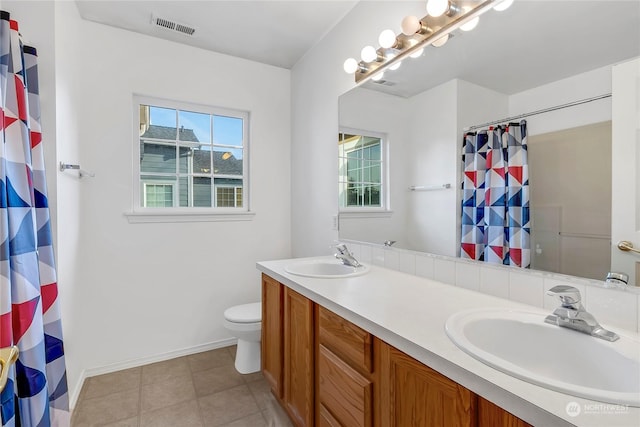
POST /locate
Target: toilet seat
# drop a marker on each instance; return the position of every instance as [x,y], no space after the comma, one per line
[245,313]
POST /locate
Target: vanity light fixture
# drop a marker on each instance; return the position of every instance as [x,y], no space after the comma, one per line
[437,8]
[503,5]
[442,19]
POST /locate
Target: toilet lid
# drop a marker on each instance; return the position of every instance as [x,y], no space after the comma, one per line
[245,313]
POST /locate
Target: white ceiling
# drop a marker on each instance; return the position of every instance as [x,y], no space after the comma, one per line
[532,43]
[268,31]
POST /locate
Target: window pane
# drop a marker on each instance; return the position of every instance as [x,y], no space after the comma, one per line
[157,158]
[186,159]
[372,195]
[201,160]
[202,192]
[227,131]
[227,161]
[366,174]
[374,153]
[184,191]
[353,195]
[164,118]
[194,127]
[376,173]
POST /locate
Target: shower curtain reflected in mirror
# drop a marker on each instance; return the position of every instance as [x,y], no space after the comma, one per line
[495,196]
[36,392]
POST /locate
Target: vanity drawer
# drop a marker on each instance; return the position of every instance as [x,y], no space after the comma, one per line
[347,340]
[345,396]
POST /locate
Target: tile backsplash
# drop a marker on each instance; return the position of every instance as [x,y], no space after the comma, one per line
[612,307]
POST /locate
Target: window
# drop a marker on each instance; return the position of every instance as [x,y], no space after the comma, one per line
[361,170]
[192,158]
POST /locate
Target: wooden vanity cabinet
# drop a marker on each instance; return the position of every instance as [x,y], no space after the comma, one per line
[328,372]
[412,394]
[299,363]
[344,374]
[491,415]
[272,343]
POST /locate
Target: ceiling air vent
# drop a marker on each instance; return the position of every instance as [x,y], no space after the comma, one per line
[168,24]
[383,82]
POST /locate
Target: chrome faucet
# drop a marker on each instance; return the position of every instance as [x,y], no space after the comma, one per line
[346,256]
[571,314]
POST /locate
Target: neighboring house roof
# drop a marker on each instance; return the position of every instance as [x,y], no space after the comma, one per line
[225,163]
[166,132]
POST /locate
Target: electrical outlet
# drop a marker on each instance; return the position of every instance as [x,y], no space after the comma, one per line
[336,223]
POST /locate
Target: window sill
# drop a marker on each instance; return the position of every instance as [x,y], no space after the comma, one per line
[365,214]
[160,217]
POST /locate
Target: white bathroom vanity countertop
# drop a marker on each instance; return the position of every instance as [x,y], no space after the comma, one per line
[409,312]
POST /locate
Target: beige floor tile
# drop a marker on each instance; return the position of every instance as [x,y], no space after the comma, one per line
[249,378]
[275,415]
[163,371]
[216,379]
[226,406]
[210,359]
[232,351]
[255,420]
[166,393]
[130,422]
[184,414]
[107,409]
[114,382]
[261,390]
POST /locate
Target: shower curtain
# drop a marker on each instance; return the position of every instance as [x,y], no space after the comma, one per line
[495,200]
[36,393]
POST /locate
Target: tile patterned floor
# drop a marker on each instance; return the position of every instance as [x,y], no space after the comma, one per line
[200,390]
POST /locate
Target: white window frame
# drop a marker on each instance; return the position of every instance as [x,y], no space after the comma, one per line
[141,214]
[370,211]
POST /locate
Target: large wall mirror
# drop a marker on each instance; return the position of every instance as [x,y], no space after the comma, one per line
[536,56]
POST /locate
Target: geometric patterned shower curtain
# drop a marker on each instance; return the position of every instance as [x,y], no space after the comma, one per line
[36,394]
[495,199]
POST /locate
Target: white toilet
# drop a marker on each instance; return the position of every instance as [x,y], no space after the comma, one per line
[245,323]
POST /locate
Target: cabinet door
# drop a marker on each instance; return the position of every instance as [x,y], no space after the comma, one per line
[412,394]
[298,358]
[490,415]
[272,339]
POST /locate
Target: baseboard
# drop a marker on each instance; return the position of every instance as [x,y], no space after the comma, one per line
[134,363]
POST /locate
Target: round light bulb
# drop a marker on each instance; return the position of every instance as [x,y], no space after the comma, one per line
[441,41]
[387,39]
[368,54]
[436,8]
[395,66]
[418,53]
[503,5]
[350,66]
[468,26]
[410,25]
[378,76]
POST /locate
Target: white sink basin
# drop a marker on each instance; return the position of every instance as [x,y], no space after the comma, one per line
[325,269]
[520,344]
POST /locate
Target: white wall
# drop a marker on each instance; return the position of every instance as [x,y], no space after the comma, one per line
[141,291]
[368,110]
[582,86]
[317,81]
[432,162]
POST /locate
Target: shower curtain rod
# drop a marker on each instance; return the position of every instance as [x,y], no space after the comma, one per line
[533,113]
